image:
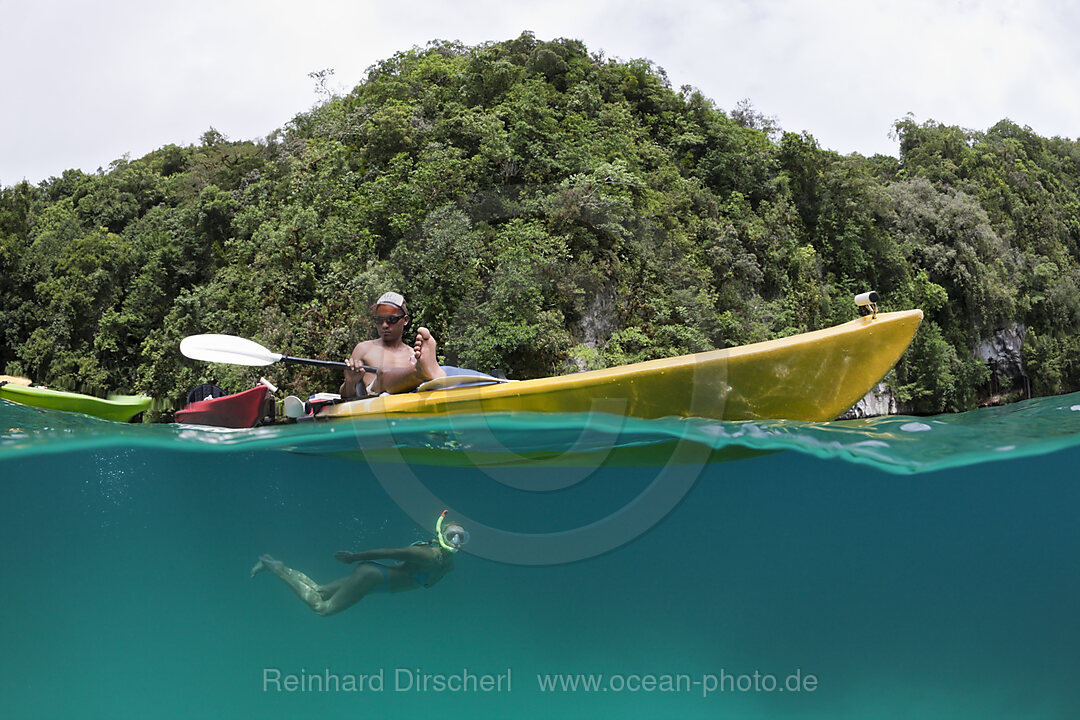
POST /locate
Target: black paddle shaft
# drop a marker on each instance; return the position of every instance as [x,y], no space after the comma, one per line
[322,363]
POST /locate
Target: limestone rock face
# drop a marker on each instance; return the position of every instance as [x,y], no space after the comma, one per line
[1001,351]
[879,401]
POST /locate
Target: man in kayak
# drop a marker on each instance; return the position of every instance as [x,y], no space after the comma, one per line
[401,368]
[420,565]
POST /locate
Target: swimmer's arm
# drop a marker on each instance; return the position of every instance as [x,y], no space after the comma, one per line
[412,554]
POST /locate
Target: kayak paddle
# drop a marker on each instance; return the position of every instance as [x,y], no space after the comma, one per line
[234,350]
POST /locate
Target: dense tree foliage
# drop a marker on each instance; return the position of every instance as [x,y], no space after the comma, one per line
[544,210]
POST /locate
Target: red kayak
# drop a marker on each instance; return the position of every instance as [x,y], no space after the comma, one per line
[239,410]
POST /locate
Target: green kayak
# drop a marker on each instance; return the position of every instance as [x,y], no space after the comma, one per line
[118,407]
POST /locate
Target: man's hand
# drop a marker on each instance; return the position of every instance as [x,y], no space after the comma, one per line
[354,374]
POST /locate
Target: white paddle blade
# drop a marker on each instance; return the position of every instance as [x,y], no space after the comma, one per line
[227,349]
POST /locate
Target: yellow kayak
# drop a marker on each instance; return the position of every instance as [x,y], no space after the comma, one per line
[813,376]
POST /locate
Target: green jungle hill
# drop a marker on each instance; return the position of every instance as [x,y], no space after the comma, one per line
[545,210]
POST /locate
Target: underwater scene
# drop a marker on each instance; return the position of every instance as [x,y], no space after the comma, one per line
[896,567]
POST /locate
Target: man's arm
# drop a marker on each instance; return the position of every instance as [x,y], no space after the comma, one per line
[355,373]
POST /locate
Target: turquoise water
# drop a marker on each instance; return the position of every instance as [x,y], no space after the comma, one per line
[893,568]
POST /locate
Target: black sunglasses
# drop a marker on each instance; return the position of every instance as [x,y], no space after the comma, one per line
[388,319]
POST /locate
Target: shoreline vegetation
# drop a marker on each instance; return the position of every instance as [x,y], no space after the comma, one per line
[545,210]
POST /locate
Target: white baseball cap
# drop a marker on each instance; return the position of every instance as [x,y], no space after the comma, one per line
[391,298]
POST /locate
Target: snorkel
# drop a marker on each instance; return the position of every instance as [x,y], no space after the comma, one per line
[459,535]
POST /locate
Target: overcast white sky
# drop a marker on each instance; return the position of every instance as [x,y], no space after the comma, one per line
[83,83]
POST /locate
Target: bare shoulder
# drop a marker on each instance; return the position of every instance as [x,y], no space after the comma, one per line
[365,350]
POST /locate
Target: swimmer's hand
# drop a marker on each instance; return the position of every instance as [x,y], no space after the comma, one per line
[345,556]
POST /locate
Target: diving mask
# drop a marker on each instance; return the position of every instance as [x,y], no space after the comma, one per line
[453,537]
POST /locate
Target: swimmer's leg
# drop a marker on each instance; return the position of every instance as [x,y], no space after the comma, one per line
[323,599]
[327,591]
[353,588]
[306,588]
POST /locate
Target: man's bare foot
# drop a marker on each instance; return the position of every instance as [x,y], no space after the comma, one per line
[427,364]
